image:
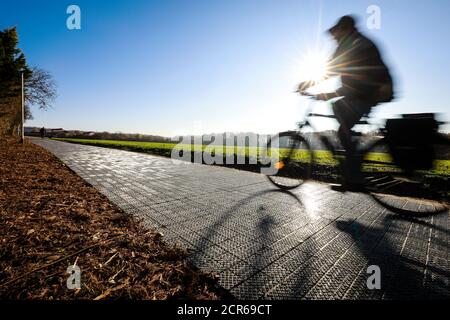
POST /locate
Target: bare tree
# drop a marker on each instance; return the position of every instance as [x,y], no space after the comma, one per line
[40,89]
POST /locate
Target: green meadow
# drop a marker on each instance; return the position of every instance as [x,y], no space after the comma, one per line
[322,157]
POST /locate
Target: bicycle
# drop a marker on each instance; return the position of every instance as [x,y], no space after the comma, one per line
[389,174]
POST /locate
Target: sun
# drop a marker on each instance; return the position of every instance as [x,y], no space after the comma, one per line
[312,66]
[315,66]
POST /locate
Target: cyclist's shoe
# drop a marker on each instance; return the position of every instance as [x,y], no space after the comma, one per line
[337,187]
[350,187]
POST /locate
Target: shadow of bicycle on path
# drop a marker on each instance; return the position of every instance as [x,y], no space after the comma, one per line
[411,255]
[274,265]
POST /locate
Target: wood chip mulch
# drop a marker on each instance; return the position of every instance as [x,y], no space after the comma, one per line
[51,219]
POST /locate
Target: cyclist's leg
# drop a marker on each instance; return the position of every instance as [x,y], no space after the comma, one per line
[347,116]
[348,112]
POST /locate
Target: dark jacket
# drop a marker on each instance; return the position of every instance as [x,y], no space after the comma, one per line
[363,73]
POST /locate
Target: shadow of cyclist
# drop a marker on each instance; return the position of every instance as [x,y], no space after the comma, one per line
[259,253]
[408,271]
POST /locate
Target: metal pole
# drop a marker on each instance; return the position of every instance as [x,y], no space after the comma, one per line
[23,111]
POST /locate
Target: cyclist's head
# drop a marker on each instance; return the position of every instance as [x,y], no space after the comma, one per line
[345,26]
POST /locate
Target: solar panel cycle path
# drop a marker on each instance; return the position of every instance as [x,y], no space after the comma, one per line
[311,243]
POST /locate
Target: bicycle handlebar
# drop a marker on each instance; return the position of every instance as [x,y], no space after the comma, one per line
[305,94]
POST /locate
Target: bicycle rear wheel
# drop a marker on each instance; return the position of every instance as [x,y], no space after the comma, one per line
[289,158]
[416,193]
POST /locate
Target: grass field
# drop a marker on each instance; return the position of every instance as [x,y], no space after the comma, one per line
[322,157]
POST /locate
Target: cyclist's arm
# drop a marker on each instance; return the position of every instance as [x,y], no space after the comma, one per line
[308,84]
[331,95]
[327,96]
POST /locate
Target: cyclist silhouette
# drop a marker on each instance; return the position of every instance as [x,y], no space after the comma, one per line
[42,132]
[366,81]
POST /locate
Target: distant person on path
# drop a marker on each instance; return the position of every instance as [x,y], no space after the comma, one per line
[366,82]
[42,132]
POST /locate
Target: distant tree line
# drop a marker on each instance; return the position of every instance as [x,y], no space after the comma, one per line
[75,134]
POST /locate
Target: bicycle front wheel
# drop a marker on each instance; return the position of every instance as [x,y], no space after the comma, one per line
[288,160]
[407,192]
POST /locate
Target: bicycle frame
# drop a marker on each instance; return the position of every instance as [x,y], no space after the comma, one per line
[324,139]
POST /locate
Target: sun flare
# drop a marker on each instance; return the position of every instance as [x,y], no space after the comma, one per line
[311,66]
[314,66]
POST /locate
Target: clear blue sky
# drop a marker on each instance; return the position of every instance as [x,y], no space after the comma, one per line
[165,67]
